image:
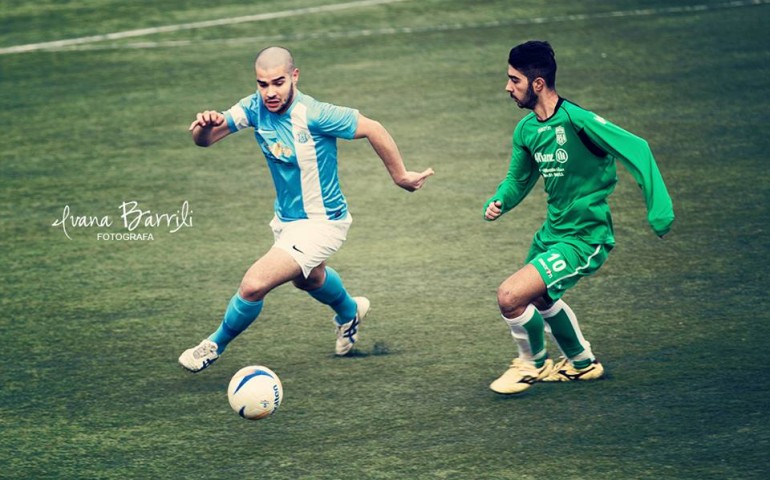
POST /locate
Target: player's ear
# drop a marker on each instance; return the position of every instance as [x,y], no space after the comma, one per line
[538,84]
[295,75]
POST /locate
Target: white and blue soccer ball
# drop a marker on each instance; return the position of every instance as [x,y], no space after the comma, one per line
[255,392]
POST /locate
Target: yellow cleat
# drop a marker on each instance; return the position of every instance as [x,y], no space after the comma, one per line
[520,376]
[564,371]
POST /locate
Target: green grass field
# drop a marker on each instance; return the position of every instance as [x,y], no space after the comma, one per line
[91,329]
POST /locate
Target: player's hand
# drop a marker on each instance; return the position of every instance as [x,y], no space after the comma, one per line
[412,181]
[207,119]
[494,210]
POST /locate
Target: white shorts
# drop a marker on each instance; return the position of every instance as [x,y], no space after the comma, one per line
[310,242]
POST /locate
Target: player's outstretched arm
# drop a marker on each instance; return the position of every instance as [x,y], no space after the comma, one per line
[387,150]
[209,127]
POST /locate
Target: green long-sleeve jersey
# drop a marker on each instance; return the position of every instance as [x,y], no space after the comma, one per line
[575,151]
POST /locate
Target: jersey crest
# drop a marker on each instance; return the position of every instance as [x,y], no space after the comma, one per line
[303,136]
[561,135]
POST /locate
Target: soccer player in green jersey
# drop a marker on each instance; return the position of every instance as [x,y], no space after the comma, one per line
[574,150]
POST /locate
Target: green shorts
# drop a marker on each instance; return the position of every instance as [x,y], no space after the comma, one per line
[562,263]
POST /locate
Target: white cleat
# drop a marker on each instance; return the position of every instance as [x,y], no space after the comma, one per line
[197,358]
[347,333]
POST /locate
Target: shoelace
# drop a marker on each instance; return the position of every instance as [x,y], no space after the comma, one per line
[561,364]
[351,330]
[204,349]
[517,362]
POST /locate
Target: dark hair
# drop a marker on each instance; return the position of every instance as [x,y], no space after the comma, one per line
[535,59]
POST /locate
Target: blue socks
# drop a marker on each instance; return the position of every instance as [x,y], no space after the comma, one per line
[239,315]
[333,293]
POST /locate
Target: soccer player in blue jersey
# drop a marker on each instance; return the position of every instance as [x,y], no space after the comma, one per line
[298,137]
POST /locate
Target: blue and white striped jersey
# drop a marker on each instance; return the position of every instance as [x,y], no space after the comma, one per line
[300,146]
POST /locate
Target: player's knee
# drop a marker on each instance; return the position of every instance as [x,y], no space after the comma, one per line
[511,304]
[253,290]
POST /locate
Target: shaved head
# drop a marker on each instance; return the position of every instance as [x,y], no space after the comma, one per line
[277,78]
[274,57]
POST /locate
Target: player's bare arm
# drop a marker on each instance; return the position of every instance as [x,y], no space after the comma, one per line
[387,150]
[208,127]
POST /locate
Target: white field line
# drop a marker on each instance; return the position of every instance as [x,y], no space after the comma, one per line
[31,47]
[81,44]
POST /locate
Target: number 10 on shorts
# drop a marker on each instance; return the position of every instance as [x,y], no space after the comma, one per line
[556,262]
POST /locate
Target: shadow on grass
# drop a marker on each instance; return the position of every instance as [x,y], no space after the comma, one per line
[379,348]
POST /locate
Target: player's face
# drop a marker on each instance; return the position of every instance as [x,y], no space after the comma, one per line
[276,86]
[520,89]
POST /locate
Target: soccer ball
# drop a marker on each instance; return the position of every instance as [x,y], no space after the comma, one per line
[255,392]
